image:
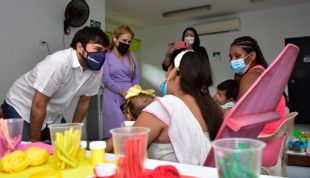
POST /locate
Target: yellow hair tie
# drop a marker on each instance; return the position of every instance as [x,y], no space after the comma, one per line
[137,90]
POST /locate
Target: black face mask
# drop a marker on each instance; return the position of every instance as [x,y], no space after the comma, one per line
[122,48]
[94,60]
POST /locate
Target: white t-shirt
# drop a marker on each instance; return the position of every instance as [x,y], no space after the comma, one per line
[59,76]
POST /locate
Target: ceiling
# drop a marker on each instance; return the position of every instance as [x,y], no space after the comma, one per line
[148,13]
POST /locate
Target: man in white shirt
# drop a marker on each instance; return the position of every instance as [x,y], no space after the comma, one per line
[42,95]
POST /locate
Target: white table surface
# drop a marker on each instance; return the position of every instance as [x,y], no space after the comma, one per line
[184,169]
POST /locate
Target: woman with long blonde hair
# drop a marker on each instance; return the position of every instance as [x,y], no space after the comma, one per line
[120,72]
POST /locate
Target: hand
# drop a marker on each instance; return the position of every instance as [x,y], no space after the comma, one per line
[32,140]
[123,93]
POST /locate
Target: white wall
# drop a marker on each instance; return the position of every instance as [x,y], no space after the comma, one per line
[268,27]
[23,25]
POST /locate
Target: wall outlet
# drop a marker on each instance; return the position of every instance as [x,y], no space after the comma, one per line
[42,43]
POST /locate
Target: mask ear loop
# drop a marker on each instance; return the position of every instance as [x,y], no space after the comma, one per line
[169,76]
[247,57]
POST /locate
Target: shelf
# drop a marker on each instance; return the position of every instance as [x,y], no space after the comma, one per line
[298,159]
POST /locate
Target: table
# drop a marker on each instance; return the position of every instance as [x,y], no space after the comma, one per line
[184,169]
[86,170]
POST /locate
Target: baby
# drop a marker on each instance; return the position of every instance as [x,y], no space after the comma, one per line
[136,100]
[226,94]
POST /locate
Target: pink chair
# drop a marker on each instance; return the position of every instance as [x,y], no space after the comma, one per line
[257,106]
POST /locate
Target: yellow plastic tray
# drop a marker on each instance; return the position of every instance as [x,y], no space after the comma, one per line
[85,169]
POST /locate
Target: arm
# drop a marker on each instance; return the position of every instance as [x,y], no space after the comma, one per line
[109,147]
[144,120]
[246,81]
[37,115]
[166,62]
[135,79]
[155,125]
[81,108]
[108,82]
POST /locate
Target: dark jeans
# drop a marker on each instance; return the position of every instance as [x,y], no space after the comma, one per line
[9,112]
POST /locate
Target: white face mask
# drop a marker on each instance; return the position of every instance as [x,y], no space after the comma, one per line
[189,39]
[228,105]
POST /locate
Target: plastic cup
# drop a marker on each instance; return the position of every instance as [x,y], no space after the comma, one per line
[238,157]
[129,145]
[10,135]
[66,143]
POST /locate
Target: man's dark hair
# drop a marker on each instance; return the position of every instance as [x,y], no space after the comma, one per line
[90,34]
[231,88]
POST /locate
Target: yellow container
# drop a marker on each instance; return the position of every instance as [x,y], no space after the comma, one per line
[97,152]
[82,150]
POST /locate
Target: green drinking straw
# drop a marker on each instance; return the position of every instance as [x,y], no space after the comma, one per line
[249,160]
[241,146]
[230,164]
[222,168]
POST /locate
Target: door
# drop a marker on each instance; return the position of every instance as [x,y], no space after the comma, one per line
[299,82]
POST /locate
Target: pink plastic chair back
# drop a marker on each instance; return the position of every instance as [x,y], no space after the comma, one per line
[257,106]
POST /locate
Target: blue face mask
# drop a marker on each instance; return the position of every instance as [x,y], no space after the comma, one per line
[163,85]
[239,66]
[95,60]
[163,88]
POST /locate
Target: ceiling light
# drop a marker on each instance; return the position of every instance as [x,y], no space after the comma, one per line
[256,0]
[191,10]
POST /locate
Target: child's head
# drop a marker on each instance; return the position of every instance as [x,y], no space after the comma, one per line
[136,100]
[227,91]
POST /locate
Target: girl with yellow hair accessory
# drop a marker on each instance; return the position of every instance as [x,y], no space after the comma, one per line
[136,100]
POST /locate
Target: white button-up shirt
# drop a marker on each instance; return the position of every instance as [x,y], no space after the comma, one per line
[59,76]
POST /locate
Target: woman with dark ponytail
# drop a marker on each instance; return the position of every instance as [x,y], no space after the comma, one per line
[195,82]
[183,122]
